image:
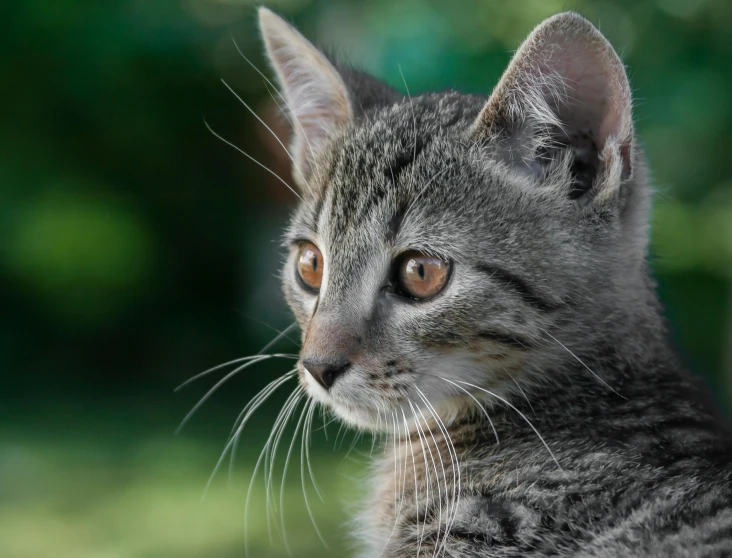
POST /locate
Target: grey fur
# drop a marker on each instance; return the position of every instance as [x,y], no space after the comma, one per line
[593,440]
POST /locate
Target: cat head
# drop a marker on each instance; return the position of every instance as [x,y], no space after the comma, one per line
[445,241]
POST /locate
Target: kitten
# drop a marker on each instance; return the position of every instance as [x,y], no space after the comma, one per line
[470,276]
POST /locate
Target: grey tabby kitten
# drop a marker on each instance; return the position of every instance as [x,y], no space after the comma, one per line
[471,278]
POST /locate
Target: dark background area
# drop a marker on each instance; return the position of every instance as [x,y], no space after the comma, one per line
[137,250]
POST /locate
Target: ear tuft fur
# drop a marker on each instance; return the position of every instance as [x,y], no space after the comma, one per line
[564,94]
[315,95]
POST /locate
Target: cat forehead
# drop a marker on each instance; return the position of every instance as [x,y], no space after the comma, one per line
[384,157]
[381,180]
[373,170]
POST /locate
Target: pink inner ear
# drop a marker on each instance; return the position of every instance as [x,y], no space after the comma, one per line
[565,75]
[590,94]
[315,94]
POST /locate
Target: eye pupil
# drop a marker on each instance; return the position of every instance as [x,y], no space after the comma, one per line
[309,266]
[420,276]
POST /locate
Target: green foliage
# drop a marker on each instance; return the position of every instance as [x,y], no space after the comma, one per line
[137,250]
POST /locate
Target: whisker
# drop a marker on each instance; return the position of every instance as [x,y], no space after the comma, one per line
[216,386]
[378,429]
[284,471]
[240,150]
[394,445]
[583,364]
[279,336]
[437,475]
[422,441]
[307,451]
[414,467]
[278,431]
[235,361]
[270,459]
[304,491]
[245,415]
[523,416]
[241,420]
[263,123]
[341,430]
[414,123]
[454,463]
[485,412]
[402,478]
[406,461]
[424,188]
[289,108]
[356,439]
[521,390]
[258,464]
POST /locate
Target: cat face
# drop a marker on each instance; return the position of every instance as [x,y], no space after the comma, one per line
[443,240]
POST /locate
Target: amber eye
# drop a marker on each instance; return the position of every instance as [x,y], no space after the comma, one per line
[310,265]
[421,276]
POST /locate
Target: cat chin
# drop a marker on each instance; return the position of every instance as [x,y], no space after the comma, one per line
[368,418]
[448,410]
[362,419]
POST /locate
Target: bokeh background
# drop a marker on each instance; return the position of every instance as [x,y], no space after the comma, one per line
[136,249]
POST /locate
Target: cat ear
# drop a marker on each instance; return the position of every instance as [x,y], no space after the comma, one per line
[316,97]
[564,97]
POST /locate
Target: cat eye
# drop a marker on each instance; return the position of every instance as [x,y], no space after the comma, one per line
[421,276]
[310,265]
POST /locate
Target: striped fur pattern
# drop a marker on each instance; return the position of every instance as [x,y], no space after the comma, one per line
[535,406]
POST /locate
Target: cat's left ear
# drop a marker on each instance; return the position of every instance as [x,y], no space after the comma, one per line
[565,98]
[315,94]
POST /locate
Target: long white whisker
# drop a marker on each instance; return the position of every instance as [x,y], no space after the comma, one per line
[484,410]
[582,363]
[414,123]
[240,150]
[279,430]
[249,410]
[289,108]
[424,188]
[437,476]
[216,386]
[378,429]
[523,416]
[422,440]
[304,491]
[394,445]
[454,463]
[235,361]
[341,430]
[414,467]
[270,450]
[263,123]
[284,472]
[402,477]
[406,462]
[309,427]
[521,390]
[241,420]
[356,439]
[262,454]
[279,336]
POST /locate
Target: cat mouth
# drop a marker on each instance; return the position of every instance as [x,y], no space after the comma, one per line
[361,414]
[356,414]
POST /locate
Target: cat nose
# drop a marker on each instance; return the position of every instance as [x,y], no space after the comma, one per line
[325,373]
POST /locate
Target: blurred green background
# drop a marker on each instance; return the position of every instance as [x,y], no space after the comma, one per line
[136,249]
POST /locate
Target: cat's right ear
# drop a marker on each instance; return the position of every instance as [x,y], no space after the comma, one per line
[314,92]
[564,102]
